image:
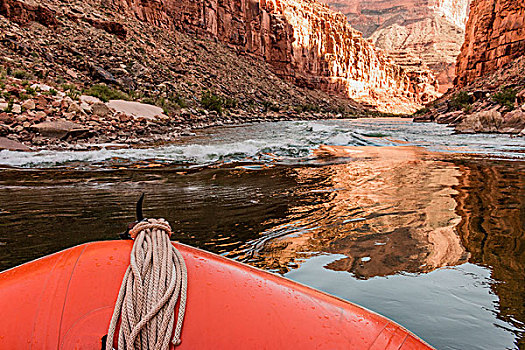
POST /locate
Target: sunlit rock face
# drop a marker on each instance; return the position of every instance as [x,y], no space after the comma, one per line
[303,41]
[391,210]
[495,36]
[418,33]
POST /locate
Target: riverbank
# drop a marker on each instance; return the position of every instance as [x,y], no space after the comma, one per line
[36,116]
[492,104]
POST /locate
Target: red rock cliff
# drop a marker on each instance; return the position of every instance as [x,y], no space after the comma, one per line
[495,35]
[417,33]
[303,40]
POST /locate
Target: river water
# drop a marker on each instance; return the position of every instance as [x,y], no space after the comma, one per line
[409,220]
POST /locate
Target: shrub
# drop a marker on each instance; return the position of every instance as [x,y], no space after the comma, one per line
[30,91]
[179,100]
[212,102]
[422,111]
[106,93]
[505,98]
[459,101]
[229,102]
[20,74]
[268,105]
[73,94]
[9,107]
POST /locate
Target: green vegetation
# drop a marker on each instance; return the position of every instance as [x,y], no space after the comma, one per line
[505,98]
[213,102]
[178,99]
[10,104]
[270,106]
[307,107]
[422,111]
[106,93]
[30,91]
[51,92]
[460,101]
[20,74]
[169,104]
[71,91]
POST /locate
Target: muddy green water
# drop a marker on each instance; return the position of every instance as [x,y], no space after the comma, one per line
[398,219]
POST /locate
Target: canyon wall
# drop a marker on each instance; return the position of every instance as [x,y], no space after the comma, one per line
[495,35]
[303,40]
[417,33]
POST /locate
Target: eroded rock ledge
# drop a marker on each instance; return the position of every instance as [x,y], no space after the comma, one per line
[305,42]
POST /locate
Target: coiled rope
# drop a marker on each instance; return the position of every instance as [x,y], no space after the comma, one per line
[153,282]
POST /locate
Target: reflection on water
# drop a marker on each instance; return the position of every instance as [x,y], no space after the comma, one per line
[388,211]
[435,242]
[492,228]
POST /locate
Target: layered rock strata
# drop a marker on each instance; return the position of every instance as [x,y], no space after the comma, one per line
[413,31]
[304,41]
[495,35]
[489,95]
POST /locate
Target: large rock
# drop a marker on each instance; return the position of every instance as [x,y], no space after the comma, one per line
[495,35]
[23,12]
[137,109]
[12,145]
[59,128]
[100,109]
[493,121]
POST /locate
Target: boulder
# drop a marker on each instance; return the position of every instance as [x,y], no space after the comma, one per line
[12,145]
[89,99]
[493,121]
[137,109]
[514,122]
[28,105]
[450,118]
[100,109]
[58,129]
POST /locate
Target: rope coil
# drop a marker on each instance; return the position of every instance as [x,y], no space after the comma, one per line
[153,283]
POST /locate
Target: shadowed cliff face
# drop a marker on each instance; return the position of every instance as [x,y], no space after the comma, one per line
[417,33]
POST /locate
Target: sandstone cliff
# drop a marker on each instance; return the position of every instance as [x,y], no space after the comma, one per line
[418,33]
[495,35]
[53,52]
[304,41]
[489,95]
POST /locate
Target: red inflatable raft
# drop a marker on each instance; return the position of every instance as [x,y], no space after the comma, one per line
[65,301]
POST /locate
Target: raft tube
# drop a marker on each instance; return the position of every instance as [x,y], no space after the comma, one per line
[65,301]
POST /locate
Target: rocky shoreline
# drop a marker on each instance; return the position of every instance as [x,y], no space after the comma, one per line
[491,104]
[36,116]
